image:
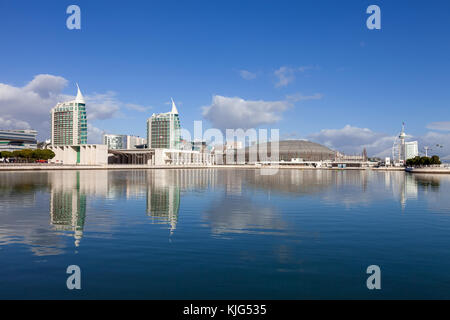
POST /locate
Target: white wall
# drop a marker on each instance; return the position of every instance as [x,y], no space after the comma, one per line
[90,154]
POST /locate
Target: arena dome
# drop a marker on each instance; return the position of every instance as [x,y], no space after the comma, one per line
[292,149]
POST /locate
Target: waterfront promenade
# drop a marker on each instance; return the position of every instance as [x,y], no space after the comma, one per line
[444,170]
[45,167]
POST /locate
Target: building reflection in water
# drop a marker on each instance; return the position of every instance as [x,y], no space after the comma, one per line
[164,188]
[68,204]
[68,198]
[236,201]
[163,198]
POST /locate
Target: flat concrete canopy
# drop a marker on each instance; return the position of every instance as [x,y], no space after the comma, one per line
[131,156]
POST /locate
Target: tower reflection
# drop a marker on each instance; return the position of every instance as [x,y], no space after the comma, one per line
[163,198]
[231,200]
[68,203]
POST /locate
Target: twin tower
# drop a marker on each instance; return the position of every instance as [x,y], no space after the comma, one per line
[69,125]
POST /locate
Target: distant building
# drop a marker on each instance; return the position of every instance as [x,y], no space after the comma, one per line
[163,130]
[199,146]
[115,141]
[287,150]
[228,146]
[185,145]
[402,149]
[387,161]
[411,149]
[68,121]
[346,157]
[121,141]
[133,142]
[234,145]
[11,140]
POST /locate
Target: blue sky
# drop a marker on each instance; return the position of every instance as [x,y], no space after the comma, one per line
[337,74]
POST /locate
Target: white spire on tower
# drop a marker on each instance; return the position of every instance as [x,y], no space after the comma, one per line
[174,107]
[79,98]
[402,134]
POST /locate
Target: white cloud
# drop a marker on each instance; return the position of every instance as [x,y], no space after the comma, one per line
[28,107]
[305,68]
[94,134]
[102,106]
[247,75]
[137,107]
[435,140]
[300,97]
[353,140]
[443,126]
[46,85]
[9,123]
[232,113]
[286,75]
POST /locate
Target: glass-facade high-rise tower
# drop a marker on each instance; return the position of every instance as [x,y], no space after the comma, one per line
[163,130]
[69,123]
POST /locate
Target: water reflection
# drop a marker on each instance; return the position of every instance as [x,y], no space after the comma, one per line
[239,214]
[68,204]
[233,201]
[163,198]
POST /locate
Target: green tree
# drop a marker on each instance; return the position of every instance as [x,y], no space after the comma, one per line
[435,160]
[47,154]
[27,154]
[38,154]
[6,154]
[17,153]
[423,161]
[43,154]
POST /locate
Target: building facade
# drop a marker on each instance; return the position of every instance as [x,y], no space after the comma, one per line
[11,140]
[121,141]
[87,154]
[163,130]
[134,141]
[411,149]
[115,141]
[69,123]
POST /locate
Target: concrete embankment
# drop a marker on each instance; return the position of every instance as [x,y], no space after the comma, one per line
[50,167]
[429,170]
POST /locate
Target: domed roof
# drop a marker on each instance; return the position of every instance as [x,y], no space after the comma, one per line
[299,145]
[307,150]
[302,145]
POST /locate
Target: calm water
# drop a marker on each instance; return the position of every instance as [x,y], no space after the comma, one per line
[224,233]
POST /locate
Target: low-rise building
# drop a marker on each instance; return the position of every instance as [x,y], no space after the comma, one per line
[87,154]
[11,140]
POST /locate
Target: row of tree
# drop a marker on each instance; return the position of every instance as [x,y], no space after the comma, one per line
[423,161]
[28,154]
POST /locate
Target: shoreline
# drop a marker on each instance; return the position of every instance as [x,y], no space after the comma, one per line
[47,167]
[428,170]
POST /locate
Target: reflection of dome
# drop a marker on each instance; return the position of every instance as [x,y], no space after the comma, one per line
[307,150]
